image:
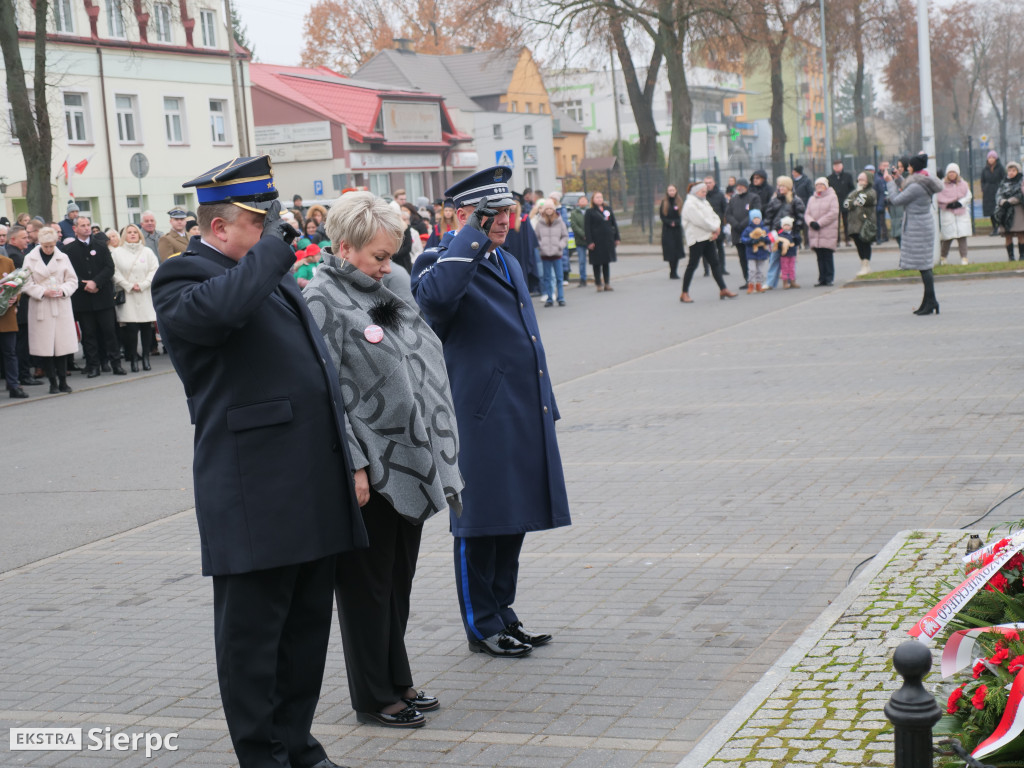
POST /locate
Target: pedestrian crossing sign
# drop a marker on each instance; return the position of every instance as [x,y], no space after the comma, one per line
[503,157]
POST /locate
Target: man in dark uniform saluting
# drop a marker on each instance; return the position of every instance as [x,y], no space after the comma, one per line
[261,390]
[476,300]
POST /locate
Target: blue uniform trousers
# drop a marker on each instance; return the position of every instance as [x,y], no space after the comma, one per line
[486,571]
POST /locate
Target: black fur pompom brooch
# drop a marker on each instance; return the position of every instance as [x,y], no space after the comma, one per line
[387,313]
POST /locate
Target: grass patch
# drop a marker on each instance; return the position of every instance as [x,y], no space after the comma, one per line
[946,269]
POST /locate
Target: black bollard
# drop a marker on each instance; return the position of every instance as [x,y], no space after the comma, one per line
[912,710]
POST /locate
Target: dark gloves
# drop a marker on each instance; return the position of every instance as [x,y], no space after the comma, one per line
[276,227]
[814,225]
[481,212]
[954,205]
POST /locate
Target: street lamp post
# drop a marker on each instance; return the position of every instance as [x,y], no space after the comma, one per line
[924,62]
[828,96]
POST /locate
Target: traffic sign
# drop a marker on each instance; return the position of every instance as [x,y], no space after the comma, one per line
[139,165]
[503,157]
[318,188]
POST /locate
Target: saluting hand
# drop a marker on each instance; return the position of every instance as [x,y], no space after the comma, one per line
[362,487]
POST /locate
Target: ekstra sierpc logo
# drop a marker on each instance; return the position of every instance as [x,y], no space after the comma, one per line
[95,740]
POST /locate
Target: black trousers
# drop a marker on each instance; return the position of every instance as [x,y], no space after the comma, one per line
[826,265]
[844,216]
[486,573]
[130,339]
[720,247]
[271,629]
[863,247]
[24,358]
[99,336]
[741,251]
[372,588]
[9,358]
[599,270]
[706,250]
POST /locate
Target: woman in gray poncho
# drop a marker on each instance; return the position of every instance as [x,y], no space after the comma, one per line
[404,443]
[917,243]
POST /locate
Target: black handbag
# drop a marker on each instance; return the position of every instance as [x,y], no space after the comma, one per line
[119,297]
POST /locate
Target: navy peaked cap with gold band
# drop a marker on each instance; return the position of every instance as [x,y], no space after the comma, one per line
[247,182]
[491,183]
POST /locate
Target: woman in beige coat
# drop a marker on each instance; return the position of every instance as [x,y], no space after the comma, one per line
[51,322]
[134,267]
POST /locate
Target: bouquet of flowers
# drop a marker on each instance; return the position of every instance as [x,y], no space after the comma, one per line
[11,287]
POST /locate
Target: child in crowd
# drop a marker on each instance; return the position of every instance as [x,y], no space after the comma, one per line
[758,250]
[787,241]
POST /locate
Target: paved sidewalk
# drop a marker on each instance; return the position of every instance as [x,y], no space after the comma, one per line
[729,464]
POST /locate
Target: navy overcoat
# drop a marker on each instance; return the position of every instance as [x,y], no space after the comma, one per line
[481,310]
[272,473]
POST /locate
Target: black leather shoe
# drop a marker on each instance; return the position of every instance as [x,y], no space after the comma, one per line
[517,631]
[18,394]
[423,702]
[407,718]
[54,389]
[501,645]
[92,373]
[64,388]
[105,367]
[118,370]
[31,381]
[145,364]
[135,366]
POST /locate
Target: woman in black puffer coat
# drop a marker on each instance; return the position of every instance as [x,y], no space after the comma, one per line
[1009,213]
[783,203]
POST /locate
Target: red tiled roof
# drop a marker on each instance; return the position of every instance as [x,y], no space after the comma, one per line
[338,99]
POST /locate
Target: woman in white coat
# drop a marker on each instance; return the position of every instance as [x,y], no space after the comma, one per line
[701,226]
[51,321]
[954,202]
[134,267]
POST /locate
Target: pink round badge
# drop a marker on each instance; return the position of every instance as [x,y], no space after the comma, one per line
[374,334]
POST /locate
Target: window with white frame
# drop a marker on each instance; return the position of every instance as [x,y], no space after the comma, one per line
[736,108]
[127,108]
[174,119]
[162,22]
[527,131]
[497,130]
[134,209]
[219,121]
[208,22]
[63,17]
[84,206]
[380,183]
[76,117]
[115,19]
[183,201]
[413,186]
[573,108]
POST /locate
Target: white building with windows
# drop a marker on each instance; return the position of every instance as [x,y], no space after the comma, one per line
[126,78]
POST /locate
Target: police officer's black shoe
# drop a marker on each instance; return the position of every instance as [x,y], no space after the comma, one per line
[519,632]
[501,645]
[118,370]
[92,373]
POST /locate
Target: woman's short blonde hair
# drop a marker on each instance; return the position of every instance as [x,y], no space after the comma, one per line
[358,217]
[136,227]
[784,181]
[47,235]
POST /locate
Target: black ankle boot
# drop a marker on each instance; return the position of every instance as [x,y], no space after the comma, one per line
[1020,250]
[1009,251]
[134,365]
[145,363]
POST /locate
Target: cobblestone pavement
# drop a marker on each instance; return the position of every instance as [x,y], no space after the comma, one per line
[729,465]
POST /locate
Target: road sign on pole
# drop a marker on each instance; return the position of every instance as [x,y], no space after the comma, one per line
[504,157]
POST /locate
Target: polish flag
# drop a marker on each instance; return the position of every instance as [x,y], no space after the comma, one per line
[81,164]
[64,170]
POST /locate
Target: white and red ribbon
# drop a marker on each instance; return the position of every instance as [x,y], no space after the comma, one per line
[959,651]
[977,555]
[1011,725]
[939,616]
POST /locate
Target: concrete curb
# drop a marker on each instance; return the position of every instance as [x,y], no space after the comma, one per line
[715,739]
[938,278]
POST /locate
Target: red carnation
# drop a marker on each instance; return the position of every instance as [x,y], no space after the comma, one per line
[978,700]
[1015,563]
[1001,655]
[954,697]
[997,582]
[979,667]
[1016,664]
[1011,634]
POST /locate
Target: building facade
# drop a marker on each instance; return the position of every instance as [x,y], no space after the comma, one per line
[325,133]
[127,82]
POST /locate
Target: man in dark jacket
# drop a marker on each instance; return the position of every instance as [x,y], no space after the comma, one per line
[67,224]
[759,186]
[992,176]
[17,248]
[93,302]
[802,186]
[842,183]
[474,296]
[737,214]
[261,389]
[717,200]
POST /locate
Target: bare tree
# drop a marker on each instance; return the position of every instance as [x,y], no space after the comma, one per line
[31,121]
[1002,68]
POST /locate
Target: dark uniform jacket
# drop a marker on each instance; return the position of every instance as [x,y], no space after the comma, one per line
[272,473]
[91,261]
[501,387]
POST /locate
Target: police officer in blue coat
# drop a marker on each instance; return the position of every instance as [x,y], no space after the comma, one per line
[261,391]
[475,297]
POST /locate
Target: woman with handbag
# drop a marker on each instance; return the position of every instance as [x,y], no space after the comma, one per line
[860,219]
[403,440]
[51,321]
[134,267]
[1009,215]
